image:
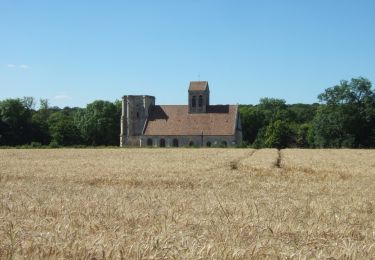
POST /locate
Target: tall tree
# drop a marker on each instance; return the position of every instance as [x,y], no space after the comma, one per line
[63,130]
[278,134]
[40,123]
[16,126]
[348,115]
[99,123]
[273,109]
[252,120]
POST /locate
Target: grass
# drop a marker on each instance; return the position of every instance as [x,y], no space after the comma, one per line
[184,203]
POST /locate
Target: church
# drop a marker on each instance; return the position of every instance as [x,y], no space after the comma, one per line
[145,124]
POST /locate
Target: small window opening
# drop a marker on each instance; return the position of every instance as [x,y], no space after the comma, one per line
[200,101]
[194,101]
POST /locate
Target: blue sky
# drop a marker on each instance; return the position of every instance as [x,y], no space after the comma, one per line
[74,52]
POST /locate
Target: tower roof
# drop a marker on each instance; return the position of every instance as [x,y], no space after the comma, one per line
[198,86]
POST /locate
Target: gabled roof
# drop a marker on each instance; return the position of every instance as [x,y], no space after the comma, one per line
[198,86]
[176,120]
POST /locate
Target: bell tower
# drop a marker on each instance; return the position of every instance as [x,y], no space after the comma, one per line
[199,96]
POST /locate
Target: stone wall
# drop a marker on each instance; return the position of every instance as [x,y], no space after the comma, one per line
[195,140]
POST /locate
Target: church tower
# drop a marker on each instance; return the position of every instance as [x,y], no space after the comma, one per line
[135,111]
[199,97]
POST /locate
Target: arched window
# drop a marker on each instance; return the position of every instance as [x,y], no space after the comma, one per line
[200,101]
[224,143]
[175,142]
[208,144]
[162,143]
[194,101]
[149,142]
[191,143]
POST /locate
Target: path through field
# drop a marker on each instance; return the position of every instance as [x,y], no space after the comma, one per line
[187,203]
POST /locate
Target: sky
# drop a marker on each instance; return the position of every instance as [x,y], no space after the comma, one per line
[73,52]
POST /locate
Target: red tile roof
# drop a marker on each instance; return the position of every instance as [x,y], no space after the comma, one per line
[175,120]
[198,85]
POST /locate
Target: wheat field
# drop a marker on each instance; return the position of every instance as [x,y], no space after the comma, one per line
[187,204]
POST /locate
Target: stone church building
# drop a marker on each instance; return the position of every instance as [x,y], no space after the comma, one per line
[197,124]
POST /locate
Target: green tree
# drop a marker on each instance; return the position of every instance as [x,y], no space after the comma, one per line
[259,120]
[40,123]
[277,134]
[16,125]
[273,109]
[303,138]
[99,123]
[302,113]
[62,129]
[252,120]
[347,118]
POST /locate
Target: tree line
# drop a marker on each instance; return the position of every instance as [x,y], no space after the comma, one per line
[20,124]
[344,117]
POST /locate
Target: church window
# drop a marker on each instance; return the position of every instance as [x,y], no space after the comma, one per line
[200,101]
[149,142]
[162,143]
[175,142]
[194,101]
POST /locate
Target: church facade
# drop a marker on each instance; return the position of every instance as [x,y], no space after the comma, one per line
[143,123]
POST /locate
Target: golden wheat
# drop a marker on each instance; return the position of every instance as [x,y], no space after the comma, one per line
[187,203]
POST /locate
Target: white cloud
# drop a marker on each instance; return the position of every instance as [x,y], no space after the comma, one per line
[21,66]
[61,97]
[24,66]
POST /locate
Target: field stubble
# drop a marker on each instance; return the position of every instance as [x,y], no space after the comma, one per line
[187,203]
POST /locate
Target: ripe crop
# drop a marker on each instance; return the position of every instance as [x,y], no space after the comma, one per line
[187,203]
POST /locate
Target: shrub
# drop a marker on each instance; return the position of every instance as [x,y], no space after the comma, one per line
[54,144]
[35,145]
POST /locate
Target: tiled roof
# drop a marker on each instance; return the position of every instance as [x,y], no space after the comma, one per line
[198,86]
[176,120]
